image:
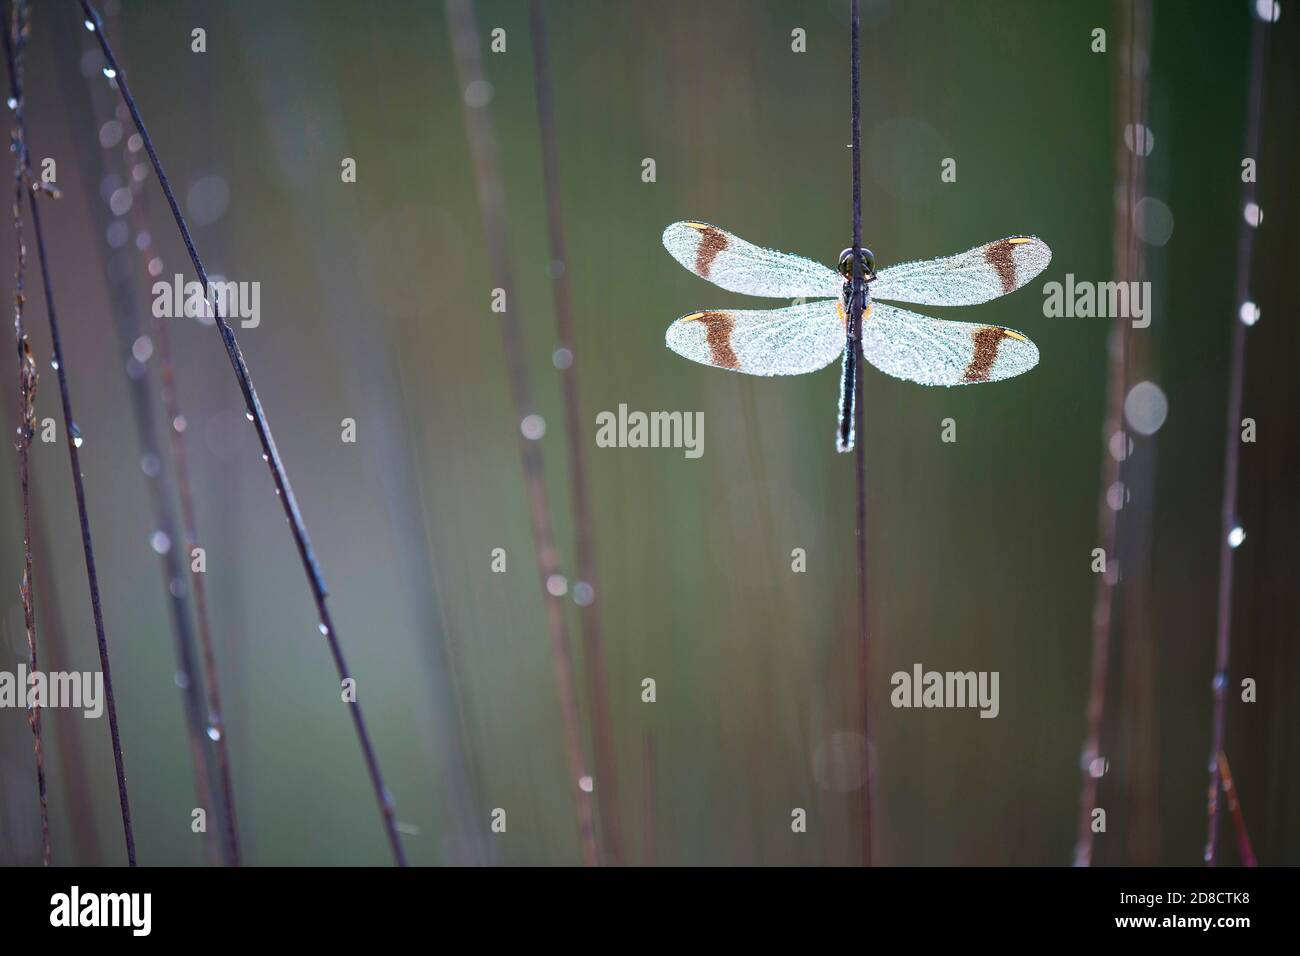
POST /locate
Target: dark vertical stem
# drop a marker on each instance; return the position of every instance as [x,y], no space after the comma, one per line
[491,195]
[212,723]
[26,429]
[854,381]
[255,413]
[1232,444]
[1244,849]
[1129,100]
[91,104]
[606,783]
[13,50]
[212,684]
[67,731]
[128,328]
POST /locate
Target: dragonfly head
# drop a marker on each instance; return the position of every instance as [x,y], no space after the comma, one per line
[867,259]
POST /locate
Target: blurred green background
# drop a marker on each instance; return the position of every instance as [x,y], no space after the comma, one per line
[375,306]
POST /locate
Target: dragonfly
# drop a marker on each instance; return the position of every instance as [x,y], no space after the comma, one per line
[809,335]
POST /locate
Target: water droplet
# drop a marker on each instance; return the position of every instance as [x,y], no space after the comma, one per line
[182,680]
[1254,215]
[214,733]
[1139,139]
[142,348]
[556,585]
[120,201]
[1146,407]
[1220,682]
[1097,768]
[150,465]
[583,594]
[478,94]
[89,25]
[207,200]
[77,440]
[11,103]
[1268,10]
[1117,496]
[533,427]
[110,134]
[585,784]
[54,364]
[1236,536]
[1153,220]
[248,415]
[323,628]
[562,358]
[178,423]
[1249,313]
[160,542]
[110,72]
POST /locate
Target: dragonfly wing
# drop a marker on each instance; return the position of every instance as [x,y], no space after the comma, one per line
[974,276]
[789,341]
[935,352]
[740,266]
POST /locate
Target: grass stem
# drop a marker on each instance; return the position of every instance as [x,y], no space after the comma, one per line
[279,475]
[491,196]
[1232,445]
[585,558]
[14,42]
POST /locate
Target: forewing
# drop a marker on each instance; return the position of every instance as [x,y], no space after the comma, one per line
[739,266]
[970,278]
[789,341]
[935,352]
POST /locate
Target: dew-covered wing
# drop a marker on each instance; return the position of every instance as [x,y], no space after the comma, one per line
[969,278]
[936,352]
[789,341]
[739,266]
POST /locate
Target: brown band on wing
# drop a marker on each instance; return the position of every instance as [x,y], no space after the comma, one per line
[987,341]
[999,257]
[712,242]
[718,326]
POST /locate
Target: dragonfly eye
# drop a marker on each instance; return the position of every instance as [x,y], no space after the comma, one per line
[868,261]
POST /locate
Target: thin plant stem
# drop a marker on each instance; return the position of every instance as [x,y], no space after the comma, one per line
[257,416]
[165,541]
[213,723]
[72,435]
[92,104]
[491,196]
[1232,444]
[856,305]
[1244,849]
[27,378]
[67,731]
[212,684]
[1130,101]
[584,550]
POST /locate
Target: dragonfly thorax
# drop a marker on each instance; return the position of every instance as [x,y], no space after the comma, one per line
[865,257]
